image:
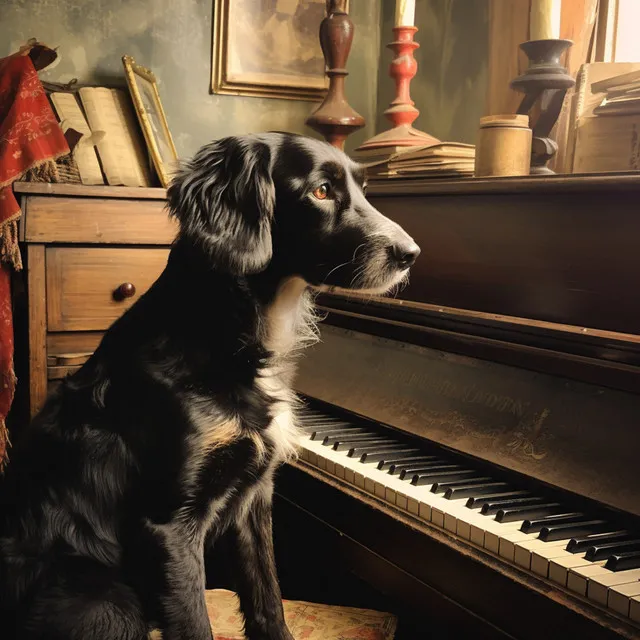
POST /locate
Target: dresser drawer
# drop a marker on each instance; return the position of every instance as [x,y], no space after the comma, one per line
[89,288]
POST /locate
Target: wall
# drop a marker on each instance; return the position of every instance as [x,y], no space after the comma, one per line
[450,86]
[173,38]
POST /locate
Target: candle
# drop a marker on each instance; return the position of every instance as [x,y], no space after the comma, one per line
[405,13]
[544,19]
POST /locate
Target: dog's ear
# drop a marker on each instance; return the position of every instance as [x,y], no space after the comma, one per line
[224,200]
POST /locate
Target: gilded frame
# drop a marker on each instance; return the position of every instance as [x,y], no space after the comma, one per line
[154,125]
[221,83]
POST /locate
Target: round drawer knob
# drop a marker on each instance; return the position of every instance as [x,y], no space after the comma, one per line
[125,290]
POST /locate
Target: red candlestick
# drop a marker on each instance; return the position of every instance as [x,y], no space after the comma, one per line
[402,111]
[402,69]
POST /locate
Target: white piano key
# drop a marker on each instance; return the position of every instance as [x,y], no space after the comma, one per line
[619,597]
[541,557]
[599,585]
[559,567]
[579,577]
[492,536]
[634,609]
[508,543]
[524,550]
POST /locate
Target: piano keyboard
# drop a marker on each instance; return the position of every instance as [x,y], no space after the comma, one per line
[583,552]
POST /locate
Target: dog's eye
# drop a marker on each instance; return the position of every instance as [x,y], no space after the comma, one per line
[364,188]
[322,192]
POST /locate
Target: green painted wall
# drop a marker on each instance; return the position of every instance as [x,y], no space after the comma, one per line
[174,39]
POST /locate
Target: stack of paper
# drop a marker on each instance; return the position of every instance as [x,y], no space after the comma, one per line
[443,160]
[621,95]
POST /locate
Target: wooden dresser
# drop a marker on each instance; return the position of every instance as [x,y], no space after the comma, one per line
[89,253]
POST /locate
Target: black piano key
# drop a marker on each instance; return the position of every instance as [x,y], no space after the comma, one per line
[346,445]
[456,493]
[477,501]
[581,544]
[411,471]
[623,561]
[329,437]
[493,506]
[562,530]
[347,428]
[397,468]
[422,479]
[344,431]
[384,465]
[604,550]
[380,456]
[441,487]
[513,514]
[357,449]
[533,525]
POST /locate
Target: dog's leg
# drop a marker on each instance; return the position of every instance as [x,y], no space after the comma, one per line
[257,581]
[182,605]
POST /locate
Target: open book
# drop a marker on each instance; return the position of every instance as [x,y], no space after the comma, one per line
[71,117]
[122,150]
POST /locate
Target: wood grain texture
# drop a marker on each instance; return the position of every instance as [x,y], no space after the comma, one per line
[61,371]
[138,193]
[613,183]
[72,342]
[98,221]
[562,255]
[81,282]
[36,288]
[508,28]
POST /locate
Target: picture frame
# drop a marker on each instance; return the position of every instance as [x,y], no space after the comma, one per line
[143,88]
[269,49]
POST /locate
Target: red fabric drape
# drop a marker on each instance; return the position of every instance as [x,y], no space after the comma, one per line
[29,136]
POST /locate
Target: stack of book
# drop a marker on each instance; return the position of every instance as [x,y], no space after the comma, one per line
[443,160]
[621,95]
[604,130]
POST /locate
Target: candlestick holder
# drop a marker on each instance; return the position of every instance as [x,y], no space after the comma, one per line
[544,83]
[402,111]
[334,118]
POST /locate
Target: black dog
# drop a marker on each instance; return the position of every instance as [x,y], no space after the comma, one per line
[170,433]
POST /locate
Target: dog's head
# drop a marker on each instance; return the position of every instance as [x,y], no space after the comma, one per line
[289,203]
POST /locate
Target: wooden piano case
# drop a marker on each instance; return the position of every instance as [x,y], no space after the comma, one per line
[526,288]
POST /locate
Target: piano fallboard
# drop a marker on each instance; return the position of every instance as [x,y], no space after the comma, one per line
[573,435]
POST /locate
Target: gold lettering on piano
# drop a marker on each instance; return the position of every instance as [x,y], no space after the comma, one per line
[467,393]
[525,445]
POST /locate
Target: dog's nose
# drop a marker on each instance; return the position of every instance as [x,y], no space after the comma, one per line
[405,254]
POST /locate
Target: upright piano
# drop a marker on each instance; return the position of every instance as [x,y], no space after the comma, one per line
[471,455]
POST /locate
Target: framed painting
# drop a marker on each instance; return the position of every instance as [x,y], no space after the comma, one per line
[269,48]
[146,101]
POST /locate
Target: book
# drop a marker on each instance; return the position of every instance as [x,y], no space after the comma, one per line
[618,106]
[84,154]
[586,99]
[615,82]
[607,144]
[380,151]
[445,159]
[122,150]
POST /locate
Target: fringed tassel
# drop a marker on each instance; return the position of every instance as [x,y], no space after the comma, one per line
[46,171]
[4,445]
[9,248]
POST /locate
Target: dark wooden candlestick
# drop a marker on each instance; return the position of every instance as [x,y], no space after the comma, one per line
[402,110]
[334,118]
[546,81]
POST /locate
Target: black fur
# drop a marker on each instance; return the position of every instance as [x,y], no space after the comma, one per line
[170,433]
